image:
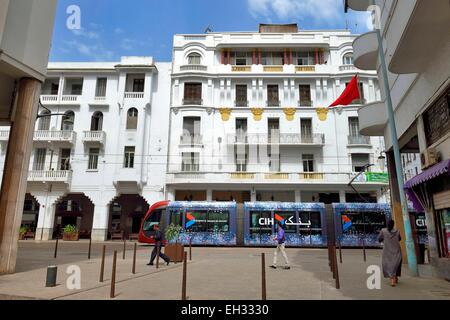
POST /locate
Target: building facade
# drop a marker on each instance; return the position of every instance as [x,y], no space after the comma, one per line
[234,117]
[419,81]
[249,118]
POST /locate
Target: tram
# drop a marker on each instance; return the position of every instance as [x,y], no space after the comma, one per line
[253,224]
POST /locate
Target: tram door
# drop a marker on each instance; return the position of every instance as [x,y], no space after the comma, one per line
[240,224]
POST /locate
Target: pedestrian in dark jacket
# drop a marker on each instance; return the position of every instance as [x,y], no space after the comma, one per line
[392,253]
[158,247]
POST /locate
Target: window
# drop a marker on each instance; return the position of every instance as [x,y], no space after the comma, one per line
[44,121]
[195,59]
[241,96]
[154,219]
[273,98]
[191,126]
[363,223]
[361,93]
[241,157]
[443,231]
[192,94]
[100,90]
[138,85]
[210,220]
[201,221]
[241,130]
[286,216]
[359,162]
[241,58]
[77,89]
[272,58]
[353,126]
[68,121]
[128,162]
[39,159]
[97,122]
[64,163]
[308,163]
[260,229]
[306,130]
[316,223]
[93,158]
[175,217]
[436,119]
[305,95]
[190,162]
[305,58]
[132,119]
[347,59]
[273,126]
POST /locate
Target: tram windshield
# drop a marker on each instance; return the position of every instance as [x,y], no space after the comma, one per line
[152,220]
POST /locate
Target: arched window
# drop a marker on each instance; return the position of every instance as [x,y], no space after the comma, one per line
[44,121]
[67,121]
[194,58]
[132,119]
[97,121]
[348,59]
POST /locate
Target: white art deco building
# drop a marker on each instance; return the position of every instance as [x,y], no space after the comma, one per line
[235,117]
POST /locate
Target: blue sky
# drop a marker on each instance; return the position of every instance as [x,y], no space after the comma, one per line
[114,28]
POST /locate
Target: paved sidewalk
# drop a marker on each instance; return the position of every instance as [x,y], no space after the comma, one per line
[214,274]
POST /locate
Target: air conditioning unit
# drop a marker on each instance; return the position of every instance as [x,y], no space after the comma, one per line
[429,158]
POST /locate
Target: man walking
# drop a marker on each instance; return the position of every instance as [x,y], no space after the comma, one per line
[281,240]
[158,246]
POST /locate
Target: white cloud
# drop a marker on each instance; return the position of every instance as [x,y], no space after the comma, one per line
[119,31]
[86,34]
[93,51]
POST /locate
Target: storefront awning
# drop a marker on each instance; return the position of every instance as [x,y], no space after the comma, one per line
[429,174]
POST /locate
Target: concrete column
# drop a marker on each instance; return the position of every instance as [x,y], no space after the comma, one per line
[395,202]
[170,194]
[380,198]
[100,224]
[253,195]
[14,182]
[46,222]
[209,195]
[298,196]
[342,196]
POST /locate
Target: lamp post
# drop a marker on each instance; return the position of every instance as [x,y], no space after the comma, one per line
[409,242]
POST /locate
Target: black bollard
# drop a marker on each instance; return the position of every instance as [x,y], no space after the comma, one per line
[89,250]
[113,277]
[102,267]
[183,286]
[263,276]
[56,247]
[134,259]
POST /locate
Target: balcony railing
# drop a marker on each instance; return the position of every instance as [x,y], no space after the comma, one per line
[70,98]
[99,99]
[348,67]
[241,68]
[305,68]
[358,140]
[4,135]
[134,95]
[273,68]
[94,136]
[55,136]
[305,103]
[49,98]
[241,103]
[191,140]
[311,176]
[242,176]
[195,102]
[273,103]
[282,139]
[193,67]
[276,176]
[50,176]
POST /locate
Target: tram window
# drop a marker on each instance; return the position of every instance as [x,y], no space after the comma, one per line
[201,221]
[289,216]
[175,217]
[363,222]
[152,220]
[255,226]
[316,223]
[374,222]
[218,221]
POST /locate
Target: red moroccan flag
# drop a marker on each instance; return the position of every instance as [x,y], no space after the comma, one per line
[350,93]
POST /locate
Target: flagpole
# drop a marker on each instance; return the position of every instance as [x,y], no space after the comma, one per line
[409,242]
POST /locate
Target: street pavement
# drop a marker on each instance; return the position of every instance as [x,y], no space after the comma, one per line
[213,274]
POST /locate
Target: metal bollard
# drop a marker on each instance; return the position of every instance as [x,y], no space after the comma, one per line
[183,286]
[113,277]
[124,248]
[102,267]
[336,270]
[190,249]
[364,250]
[56,248]
[52,272]
[134,259]
[263,276]
[89,250]
[340,252]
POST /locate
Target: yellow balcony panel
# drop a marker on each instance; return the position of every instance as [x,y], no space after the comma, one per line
[273,68]
[277,176]
[241,68]
[311,176]
[305,69]
[242,176]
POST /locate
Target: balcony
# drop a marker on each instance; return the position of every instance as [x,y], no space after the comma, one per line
[191,140]
[276,176]
[193,68]
[49,99]
[358,140]
[192,102]
[373,119]
[273,103]
[366,51]
[305,103]
[359,5]
[4,135]
[300,69]
[287,139]
[70,99]
[312,176]
[50,176]
[55,136]
[134,95]
[347,67]
[94,137]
